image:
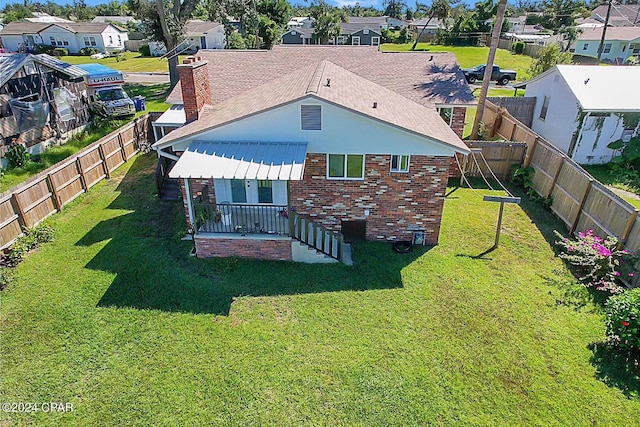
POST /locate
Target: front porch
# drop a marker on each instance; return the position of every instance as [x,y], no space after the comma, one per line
[241,218]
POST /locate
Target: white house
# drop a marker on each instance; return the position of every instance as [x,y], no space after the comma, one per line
[45,18]
[21,36]
[620,43]
[582,108]
[198,35]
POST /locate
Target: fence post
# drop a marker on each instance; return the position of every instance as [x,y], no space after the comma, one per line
[627,229]
[54,192]
[507,169]
[556,174]
[103,157]
[83,178]
[18,207]
[529,153]
[582,202]
[122,152]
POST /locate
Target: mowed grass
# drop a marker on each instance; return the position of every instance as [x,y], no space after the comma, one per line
[116,318]
[470,56]
[131,62]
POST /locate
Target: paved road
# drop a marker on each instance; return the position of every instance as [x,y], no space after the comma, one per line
[148,78]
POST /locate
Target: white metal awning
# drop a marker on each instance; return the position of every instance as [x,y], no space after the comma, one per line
[242,160]
[174,116]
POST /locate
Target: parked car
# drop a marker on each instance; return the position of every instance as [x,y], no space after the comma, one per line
[503,77]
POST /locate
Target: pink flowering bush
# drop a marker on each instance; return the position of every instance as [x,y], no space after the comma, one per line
[598,260]
[623,323]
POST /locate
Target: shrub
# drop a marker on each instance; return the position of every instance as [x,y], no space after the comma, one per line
[6,276]
[145,50]
[17,156]
[45,48]
[60,51]
[518,47]
[598,261]
[88,51]
[33,237]
[623,325]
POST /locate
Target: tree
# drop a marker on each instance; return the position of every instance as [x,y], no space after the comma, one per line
[279,11]
[393,8]
[327,20]
[172,28]
[269,31]
[439,9]
[549,57]
[562,13]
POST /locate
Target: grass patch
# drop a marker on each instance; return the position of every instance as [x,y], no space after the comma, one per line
[131,62]
[469,56]
[116,318]
[155,96]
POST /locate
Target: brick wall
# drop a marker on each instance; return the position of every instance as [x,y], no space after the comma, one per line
[196,87]
[276,250]
[457,121]
[397,202]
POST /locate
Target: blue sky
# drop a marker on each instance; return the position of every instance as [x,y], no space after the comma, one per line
[377,3]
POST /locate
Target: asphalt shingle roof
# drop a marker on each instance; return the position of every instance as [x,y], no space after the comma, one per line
[423,77]
[346,89]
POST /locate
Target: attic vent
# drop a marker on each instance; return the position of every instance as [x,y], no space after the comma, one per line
[311,117]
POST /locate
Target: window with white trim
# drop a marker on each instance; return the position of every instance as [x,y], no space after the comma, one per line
[545,107]
[345,166]
[355,41]
[399,163]
[341,39]
[375,41]
[311,117]
[446,113]
[365,31]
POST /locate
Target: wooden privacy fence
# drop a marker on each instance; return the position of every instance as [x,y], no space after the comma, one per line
[579,200]
[29,203]
[499,156]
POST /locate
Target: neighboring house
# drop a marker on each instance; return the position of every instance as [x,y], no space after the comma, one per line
[42,17]
[42,99]
[300,22]
[119,20]
[516,23]
[198,35]
[416,27]
[620,43]
[24,36]
[303,138]
[350,34]
[622,15]
[582,108]
[384,22]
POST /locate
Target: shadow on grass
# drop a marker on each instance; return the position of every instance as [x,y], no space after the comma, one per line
[616,369]
[154,271]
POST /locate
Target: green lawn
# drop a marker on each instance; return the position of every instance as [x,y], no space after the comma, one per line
[116,318]
[155,96]
[129,61]
[469,56]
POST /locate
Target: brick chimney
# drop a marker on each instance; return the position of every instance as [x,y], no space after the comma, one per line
[196,88]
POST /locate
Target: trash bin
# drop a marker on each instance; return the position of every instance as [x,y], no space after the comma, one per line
[140,102]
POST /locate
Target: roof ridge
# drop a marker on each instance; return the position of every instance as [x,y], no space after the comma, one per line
[314,82]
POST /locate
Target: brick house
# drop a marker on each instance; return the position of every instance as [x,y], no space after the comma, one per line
[302,159]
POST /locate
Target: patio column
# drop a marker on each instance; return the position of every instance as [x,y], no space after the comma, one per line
[187,188]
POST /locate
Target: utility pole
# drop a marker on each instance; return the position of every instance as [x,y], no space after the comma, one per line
[604,32]
[495,38]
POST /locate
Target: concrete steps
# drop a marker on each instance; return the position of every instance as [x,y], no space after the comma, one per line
[171,190]
[301,252]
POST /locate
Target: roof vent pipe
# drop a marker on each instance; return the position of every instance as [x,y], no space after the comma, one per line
[375,105]
[328,82]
